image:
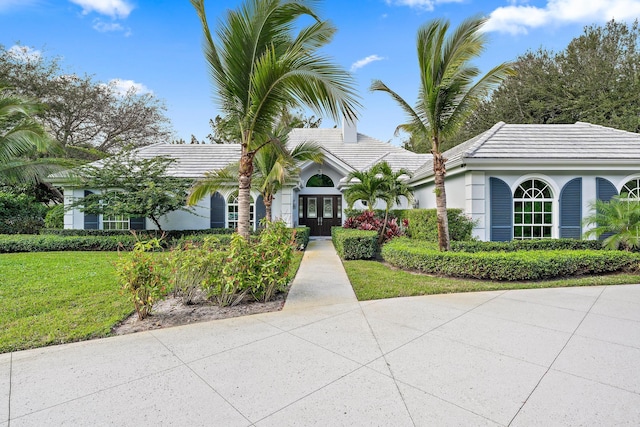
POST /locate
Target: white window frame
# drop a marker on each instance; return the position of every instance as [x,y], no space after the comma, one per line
[115,222]
[531,196]
[232,211]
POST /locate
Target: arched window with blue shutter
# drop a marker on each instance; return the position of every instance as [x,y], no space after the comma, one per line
[571,210]
[501,210]
[91,221]
[605,191]
[218,211]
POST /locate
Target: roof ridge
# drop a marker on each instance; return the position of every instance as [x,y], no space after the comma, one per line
[483,138]
[370,165]
[615,130]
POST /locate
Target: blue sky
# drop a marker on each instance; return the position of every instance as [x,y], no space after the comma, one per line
[156,44]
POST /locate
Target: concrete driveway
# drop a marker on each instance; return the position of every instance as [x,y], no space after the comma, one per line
[568,356]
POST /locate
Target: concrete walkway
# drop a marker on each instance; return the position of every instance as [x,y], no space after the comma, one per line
[544,357]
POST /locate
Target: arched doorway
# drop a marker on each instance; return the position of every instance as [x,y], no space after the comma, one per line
[320,212]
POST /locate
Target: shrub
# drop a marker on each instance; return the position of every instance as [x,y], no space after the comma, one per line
[423,224]
[508,266]
[169,234]
[20,214]
[301,237]
[526,245]
[141,276]
[55,217]
[42,243]
[354,244]
[369,220]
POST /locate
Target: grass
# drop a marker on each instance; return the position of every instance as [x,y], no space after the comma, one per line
[375,280]
[51,298]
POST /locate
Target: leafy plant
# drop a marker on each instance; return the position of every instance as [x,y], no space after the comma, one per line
[423,224]
[141,276]
[355,244]
[55,217]
[368,220]
[618,220]
[20,214]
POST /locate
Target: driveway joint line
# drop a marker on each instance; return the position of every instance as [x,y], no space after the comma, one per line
[10,384]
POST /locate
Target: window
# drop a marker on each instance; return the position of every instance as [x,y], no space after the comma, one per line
[533,210]
[232,211]
[115,222]
[632,188]
[320,180]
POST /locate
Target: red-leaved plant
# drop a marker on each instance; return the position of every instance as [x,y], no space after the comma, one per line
[368,220]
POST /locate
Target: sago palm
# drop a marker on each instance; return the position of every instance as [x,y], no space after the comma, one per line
[450,88]
[261,60]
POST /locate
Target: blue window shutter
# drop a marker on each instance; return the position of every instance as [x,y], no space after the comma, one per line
[261,210]
[605,191]
[501,210]
[218,211]
[91,221]
[137,223]
[571,210]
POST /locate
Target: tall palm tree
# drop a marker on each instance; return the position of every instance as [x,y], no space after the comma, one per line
[395,187]
[23,141]
[259,63]
[272,169]
[450,88]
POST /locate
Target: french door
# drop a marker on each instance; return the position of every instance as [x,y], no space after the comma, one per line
[320,213]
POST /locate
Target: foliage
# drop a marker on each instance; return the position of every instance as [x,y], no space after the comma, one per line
[132,186]
[423,224]
[259,63]
[48,243]
[526,245]
[78,300]
[146,234]
[617,221]
[20,214]
[354,244]
[374,280]
[301,237]
[594,79]
[54,217]
[141,276]
[369,220]
[520,265]
[85,116]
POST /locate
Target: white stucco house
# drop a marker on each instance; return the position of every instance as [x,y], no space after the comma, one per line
[514,181]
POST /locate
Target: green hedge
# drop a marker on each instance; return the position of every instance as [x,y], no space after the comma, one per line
[354,244]
[169,234]
[507,266]
[423,224]
[39,243]
[302,237]
[526,245]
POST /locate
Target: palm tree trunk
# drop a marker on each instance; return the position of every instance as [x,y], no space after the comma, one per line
[439,171]
[384,227]
[268,201]
[244,192]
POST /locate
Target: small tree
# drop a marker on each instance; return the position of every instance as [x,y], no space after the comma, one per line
[132,187]
[619,219]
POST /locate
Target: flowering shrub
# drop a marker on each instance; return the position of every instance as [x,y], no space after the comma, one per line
[368,220]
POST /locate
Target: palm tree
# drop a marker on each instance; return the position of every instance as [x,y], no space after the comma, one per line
[395,187]
[618,220]
[368,186]
[23,141]
[260,64]
[272,169]
[449,90]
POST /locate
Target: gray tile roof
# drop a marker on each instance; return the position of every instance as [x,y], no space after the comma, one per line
[539,143]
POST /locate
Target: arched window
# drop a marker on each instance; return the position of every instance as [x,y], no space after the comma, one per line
[532,210]
[232,211]
[320,180]
[632,188]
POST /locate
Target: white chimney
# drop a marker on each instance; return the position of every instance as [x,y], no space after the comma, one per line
[349,131]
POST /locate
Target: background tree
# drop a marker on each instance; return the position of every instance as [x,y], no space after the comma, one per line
[594,79]
[88,118]
[450,88]
[132,187]
[260,63]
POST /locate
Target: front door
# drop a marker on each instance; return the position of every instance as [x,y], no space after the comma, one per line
[320,213]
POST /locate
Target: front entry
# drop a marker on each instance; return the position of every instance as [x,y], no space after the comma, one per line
[320,213]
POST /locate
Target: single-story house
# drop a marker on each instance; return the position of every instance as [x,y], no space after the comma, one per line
[514,181]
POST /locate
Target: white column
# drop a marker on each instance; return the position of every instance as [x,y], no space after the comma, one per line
[475,195]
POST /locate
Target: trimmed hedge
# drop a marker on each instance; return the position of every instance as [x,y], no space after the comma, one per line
[302,237]
[169,234]
[354,244]
[505,266]
[38,243]
[423,224]
[527,245]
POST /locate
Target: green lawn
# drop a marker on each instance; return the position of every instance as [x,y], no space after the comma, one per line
[56,297]
[375,280]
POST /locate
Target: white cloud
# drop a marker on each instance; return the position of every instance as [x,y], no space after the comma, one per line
[420,4]
[365,61]
[24,53]
[122,87]
[6,5]
[113,8]
[518,19]
[105,27]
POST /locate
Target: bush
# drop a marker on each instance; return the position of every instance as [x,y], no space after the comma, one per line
[423,224]
[20,214]
[169,234]
[40,243]
[354,244]
[526,245]
[55,217]
[302,235]
[369,220]
[507,266]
